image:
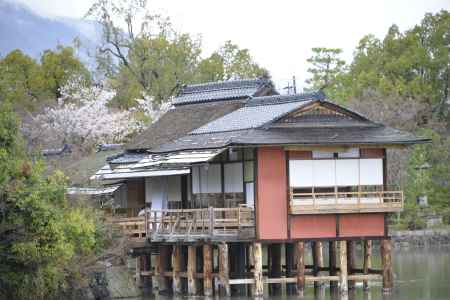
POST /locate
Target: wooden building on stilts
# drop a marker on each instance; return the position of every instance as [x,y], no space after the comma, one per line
[235,170]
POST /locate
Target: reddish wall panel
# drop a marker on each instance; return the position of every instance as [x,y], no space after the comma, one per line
[271,203]
[313,226]
[371,152]
[300,154]
[352,225]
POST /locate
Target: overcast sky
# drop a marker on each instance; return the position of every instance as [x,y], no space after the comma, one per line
[279,34]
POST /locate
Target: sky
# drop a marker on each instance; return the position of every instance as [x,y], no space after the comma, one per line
[279,34]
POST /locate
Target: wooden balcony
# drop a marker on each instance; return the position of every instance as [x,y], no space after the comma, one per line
[346,202]
[186,225]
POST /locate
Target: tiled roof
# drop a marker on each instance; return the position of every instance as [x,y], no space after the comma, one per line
[368,135]
[221,90]
[258,111]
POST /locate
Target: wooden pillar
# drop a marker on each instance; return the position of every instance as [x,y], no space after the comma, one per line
[138,277]
[351,261]
[317,261]
[163,262]
[367,261]
[258,271]
[387,265]
[332,262]
[274,251]
[176,269]
[300,268]
[290,266]
[224,273]
[237,262]
[156,273]
[207,270]
[343,266]
[192,270]
[147,267]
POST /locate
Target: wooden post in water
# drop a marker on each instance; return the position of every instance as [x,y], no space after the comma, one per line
[274,251]
[147,266]
[224,273]
[192,270]
[176,269]
[343,267]
[300,268]
[137,277]
[290,266]
[387,265]
[258,271]
[163,262]
[207,270]
[367,261]
[351,261]
[317,251]
[156,273]
[332,262]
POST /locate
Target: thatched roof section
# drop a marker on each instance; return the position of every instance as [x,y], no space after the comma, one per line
[180,121]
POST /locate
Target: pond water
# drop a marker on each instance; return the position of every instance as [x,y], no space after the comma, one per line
[419,274]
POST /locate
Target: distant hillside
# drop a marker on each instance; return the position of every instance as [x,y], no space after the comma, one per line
[21,28]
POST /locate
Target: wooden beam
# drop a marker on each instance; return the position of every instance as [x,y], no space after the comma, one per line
[192,270]
[207,270]
[300,247]
[258,271]
[387,265]
[367,261]
[343,264]
[224,268]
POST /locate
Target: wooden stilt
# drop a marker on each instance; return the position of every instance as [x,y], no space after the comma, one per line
[332,262]
[156,273]
[224,268]
[317,261]
[290,266]
[387,265]
[258,270]
[192,270]
[207,270]
[138,277]
[164,262]
[351,261]
[343,267]
[300,268]
[176,269]
[367,261]
[275,268]
[147,266]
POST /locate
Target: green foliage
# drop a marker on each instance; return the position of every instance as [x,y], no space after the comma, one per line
[58,66]
[28,84]
[156,60]
[20,79]
[429,171]
[43,237]
[326,69]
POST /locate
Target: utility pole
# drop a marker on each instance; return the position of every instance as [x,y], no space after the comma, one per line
[294,84]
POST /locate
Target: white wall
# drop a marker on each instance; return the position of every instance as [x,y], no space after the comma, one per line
[234,177]
[156,191]
[339,172]
[206,179]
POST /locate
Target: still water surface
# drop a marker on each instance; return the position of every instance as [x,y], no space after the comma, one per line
[419,274]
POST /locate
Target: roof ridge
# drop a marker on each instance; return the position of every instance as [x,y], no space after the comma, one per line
[281,99]
[222,85]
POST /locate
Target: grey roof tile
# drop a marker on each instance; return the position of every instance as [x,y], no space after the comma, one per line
[221,90]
